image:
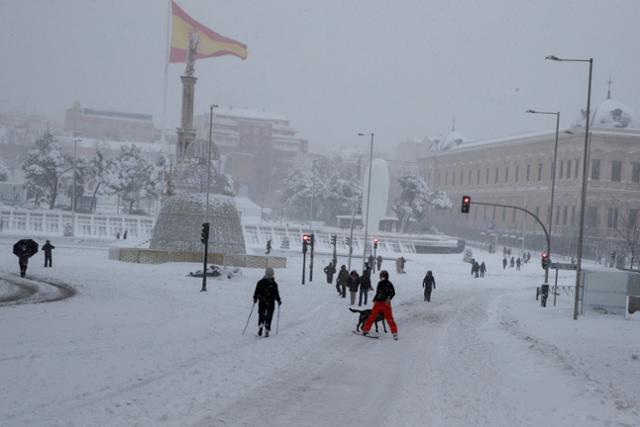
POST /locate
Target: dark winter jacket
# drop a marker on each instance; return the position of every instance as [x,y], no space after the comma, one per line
[354,283]
[384,291]
[343,277]
[330,270]
[266,292]
[429,282]
[366,279]
[47,247]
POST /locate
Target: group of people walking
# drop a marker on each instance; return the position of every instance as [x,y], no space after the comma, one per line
[478,269]
[355,283]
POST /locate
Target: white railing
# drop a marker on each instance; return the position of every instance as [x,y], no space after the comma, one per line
[61,223]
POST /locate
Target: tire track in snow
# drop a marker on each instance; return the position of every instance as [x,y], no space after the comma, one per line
[34,291]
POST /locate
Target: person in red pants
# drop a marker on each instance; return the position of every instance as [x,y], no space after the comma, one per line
[382,304]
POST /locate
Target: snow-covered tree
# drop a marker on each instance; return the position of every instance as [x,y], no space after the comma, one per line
[44,167]
[131,176]
[98,172]
[301,187]
[163,174]
[4,171]
[415,196]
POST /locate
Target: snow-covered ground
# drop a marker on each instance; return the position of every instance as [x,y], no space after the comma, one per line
[140,345]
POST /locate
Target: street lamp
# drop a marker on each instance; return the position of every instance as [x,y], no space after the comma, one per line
[583,195]
[553,180]
[366,220]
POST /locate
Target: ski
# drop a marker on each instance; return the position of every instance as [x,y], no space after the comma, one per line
[367,336]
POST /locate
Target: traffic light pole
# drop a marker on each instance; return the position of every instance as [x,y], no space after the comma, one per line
[311,259]
[546,233]
[304,264]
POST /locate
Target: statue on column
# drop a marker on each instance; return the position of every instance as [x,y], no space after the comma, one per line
[194,40]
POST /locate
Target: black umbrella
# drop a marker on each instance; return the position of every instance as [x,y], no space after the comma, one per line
[25,247]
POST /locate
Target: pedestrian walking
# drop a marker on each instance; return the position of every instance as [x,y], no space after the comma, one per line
[47,248]
[124,235]
[330,270]
[399,265]
[473,265]
[512,262]
[354,284]
[117,235]
[371,260]
[342,281]
[483,269]
[266,295]
[518,262]
[402,263]
[365,284]
[379,262]
[428,283]
[382,304]
[504,263]
[476,269]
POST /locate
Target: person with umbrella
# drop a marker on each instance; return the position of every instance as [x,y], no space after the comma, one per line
[24,249]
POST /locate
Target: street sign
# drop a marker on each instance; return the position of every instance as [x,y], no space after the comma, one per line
[563,266]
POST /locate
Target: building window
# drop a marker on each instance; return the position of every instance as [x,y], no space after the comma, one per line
[616,170]
[612,218]
[487,176]
[469,178]
[538,211]
[592,216]
[565,210]
[493,215]
[528,172]
[539,171]
[497,175]
[595,169]
[506,174]
[573,215]
[575,170]
[557,215]
[461,178]
[517,172]
[513,216]
[478,177]
[568,169]
[561,174]
[635,173]
[484,213]
[633,218]
[504,214]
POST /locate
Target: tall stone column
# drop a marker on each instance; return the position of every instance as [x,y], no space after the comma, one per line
[186,132]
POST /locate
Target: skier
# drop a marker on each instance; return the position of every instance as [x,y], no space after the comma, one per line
[342,281]
[518,262]
[354,283]
[483,269]
[504,263]
[379,262]
[382,304]
[267,293]
[512,263]
[330,270]
[365,284]
[47,247]
[428,283]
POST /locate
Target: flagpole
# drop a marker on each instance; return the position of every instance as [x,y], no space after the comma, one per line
[166,74]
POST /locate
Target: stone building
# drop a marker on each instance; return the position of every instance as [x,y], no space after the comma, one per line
[257,148]
[109,125]
[517,170]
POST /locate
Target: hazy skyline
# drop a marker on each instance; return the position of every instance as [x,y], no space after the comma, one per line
[334,68]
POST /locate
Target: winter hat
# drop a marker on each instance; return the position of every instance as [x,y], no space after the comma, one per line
[268,273]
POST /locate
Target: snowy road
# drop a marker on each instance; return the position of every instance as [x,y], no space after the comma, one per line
[140,345]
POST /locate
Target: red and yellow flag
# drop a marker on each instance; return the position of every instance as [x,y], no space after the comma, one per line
[210,44]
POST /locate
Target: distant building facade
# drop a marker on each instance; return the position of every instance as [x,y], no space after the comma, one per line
[517,170]
[257,148]
[109,125]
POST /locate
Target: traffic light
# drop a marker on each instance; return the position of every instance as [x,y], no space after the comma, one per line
[544,259]
[466,204]
[375,243]
[347,241]
[306,241]
[204,235]
[312,242]
[334,237]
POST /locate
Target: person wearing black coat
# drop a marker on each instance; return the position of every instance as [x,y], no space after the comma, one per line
[428,283]
[330,270]
[382,304]
[354,284]
[342,281]
[23,262]
[365,284]
[266,294]
[47,248]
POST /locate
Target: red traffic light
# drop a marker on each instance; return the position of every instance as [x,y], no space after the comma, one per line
[544,255]
[306,237]
[466,204]
[376,240]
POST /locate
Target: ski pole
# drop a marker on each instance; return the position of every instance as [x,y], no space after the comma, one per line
[278,320]
[245,326]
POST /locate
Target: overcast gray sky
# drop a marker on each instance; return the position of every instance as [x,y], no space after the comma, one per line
[399,68]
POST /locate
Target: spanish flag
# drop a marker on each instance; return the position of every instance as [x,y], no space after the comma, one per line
[210,44]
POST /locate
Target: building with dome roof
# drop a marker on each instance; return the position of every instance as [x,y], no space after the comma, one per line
[517,170]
